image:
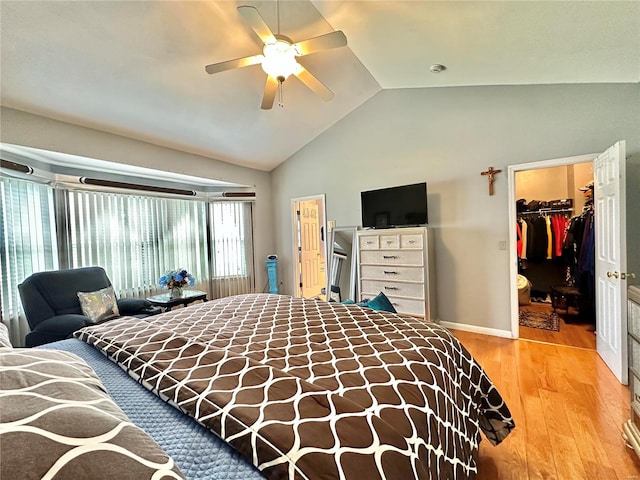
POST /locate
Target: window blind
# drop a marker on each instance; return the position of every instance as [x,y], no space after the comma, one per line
[136,239]
[27,245]
[232,248]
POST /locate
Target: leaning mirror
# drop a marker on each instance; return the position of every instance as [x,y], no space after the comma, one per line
[341,281]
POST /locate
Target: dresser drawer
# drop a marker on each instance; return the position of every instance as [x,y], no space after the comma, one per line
[635,392]
[389,241]
[404,305]
[369,242]
[634,318]
[634,348]
[396,289]
[411,241]
[397,257]
[391,272]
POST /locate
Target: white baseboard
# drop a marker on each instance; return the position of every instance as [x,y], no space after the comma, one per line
[475,329]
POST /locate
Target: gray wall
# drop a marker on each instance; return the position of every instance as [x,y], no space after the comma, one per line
[21,128]
[447,136]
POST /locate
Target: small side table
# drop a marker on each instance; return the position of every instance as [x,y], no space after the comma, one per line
[165,301]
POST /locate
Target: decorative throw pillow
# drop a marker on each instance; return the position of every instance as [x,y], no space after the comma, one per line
[100,305]
[59,422]
[4,336]
[379,302]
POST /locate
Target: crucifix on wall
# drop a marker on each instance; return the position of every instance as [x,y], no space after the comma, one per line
[490,173]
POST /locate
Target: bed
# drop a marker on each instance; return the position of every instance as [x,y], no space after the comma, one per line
[298,389]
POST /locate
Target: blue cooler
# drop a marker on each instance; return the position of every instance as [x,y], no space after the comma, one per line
[272,273]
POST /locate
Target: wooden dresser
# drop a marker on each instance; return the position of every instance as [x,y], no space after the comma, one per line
[631,429]
[399,263]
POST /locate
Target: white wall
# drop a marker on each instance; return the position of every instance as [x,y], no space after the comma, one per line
[555,183]
[21,128]
[447,136]
[545,184]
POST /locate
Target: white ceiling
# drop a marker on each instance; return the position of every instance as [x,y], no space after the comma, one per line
[137,68]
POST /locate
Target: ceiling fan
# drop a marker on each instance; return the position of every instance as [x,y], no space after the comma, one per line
[278,58]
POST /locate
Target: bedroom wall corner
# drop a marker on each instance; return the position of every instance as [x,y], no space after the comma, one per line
[446,137]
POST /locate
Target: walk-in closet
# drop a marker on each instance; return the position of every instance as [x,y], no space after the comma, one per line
[555,246]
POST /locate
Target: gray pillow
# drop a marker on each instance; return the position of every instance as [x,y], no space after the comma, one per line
[4,336]
[58,422]
[100,305]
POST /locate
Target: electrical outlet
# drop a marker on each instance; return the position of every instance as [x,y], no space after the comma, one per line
[502,245]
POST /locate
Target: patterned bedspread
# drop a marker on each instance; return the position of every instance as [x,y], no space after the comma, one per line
[309,389]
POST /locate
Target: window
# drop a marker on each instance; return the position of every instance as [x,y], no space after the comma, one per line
[232,247]
[135,238]
[27,244]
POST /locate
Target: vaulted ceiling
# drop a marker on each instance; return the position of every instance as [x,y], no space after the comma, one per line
[136,68]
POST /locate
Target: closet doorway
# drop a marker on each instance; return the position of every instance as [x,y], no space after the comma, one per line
[309,246]
[610,259]
[555,251]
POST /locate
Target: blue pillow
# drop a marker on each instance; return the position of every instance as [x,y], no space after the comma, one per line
[380,302]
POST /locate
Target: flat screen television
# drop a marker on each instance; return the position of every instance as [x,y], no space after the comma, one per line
[395,207]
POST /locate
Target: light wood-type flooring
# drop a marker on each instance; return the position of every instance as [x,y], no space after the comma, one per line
[572,334]
[568,409]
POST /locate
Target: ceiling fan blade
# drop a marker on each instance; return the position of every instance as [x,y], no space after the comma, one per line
[313,83]
[270,90]
[255,21]
[323,42]
[237,63]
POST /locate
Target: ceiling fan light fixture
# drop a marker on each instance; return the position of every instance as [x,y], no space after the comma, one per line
[280,60]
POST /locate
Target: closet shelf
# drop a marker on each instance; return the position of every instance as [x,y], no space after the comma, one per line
[546,210]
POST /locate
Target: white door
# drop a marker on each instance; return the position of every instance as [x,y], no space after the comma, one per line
[611,259]
[309,246]
[313,278]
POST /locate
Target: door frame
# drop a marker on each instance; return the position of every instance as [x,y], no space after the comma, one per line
[513,254]
[297,292]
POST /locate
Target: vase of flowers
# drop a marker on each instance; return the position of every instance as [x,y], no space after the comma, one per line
[175,280]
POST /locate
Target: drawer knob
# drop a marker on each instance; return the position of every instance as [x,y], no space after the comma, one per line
[389,256]
[390,288]
[389,272]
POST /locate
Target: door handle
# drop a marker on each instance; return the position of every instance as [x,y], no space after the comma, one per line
[623,276]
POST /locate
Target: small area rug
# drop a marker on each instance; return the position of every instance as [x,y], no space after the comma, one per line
[545,321]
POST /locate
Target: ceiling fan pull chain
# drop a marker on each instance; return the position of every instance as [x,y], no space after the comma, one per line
[280,99]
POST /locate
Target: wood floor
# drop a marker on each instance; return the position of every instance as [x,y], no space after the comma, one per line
[568,409]
[571,334]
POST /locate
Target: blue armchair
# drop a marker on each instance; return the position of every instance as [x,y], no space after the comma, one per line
[52,307]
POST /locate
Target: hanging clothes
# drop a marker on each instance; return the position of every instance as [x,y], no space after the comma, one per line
[558,223]
[579,254]
[523,229]
[549,238]
[538,250]
[519,239]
